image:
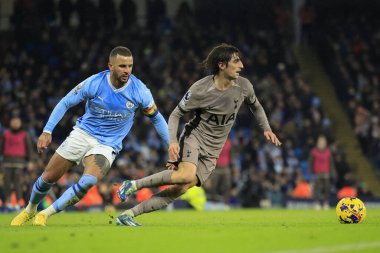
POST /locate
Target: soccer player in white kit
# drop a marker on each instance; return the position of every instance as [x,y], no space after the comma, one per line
[112,99]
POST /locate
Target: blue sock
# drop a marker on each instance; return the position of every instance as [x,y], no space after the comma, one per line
[39,191]
[75,193]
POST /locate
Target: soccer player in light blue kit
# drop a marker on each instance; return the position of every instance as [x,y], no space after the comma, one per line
[112,99]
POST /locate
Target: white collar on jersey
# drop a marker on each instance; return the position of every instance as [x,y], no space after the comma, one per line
[120,89]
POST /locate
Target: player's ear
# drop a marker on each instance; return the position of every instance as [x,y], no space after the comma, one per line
[110,66]
[221,65]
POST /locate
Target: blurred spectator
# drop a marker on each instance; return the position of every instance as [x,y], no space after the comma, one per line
[347,191]
[252,193]
[322,169]
[302,188]
[341,168]
[16,149]
[348,42]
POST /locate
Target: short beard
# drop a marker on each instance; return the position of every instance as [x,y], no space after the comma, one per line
[118,80]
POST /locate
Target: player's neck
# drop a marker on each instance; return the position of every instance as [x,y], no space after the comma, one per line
[222,83]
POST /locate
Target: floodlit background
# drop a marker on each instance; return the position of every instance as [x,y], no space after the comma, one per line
[315,68]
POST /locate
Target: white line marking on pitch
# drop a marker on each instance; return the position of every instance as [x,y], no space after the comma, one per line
[333,249]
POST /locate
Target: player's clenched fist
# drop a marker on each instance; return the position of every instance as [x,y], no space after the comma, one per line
[43,142]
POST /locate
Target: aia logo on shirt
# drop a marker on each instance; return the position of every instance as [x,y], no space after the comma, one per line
[221,120]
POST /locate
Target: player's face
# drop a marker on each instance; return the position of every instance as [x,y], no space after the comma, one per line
[233,68]
[121,68]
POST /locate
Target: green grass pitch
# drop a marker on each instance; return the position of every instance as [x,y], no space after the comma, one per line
[250,230]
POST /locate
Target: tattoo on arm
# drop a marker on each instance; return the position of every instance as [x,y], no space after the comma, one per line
[102,162]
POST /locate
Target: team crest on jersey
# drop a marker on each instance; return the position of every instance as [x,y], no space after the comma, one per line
[130,104]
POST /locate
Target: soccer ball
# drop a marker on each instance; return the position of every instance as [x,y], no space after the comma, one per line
[350,210]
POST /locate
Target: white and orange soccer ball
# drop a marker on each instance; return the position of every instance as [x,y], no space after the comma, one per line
[350,210]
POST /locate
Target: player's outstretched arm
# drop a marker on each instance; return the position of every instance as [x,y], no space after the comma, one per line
[270,136]
[43,142]
[173,150]
[79,93]
[161,127]
[173,124]
[259,113]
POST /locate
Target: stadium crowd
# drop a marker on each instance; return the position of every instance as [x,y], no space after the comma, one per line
[51,48]
[349,44]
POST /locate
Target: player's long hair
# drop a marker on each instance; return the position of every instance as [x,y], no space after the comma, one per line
[219,54]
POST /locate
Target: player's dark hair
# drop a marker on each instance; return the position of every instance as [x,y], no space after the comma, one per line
[219,54]
[123,51]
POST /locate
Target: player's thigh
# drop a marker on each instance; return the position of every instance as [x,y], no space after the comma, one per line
[56,167]
[188,160]
[76,145]
[98,160]
[96,165]
[206,165]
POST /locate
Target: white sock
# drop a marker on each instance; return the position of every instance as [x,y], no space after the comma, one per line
[31,208]
[49,211]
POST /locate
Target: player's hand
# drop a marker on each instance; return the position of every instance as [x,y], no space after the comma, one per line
[170,165]
[173,151]
[43,142]
[270,136]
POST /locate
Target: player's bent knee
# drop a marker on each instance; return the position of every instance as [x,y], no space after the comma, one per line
[50,177]
[185,178]
[186,173]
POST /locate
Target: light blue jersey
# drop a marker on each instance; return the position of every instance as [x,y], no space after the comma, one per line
[110,112]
